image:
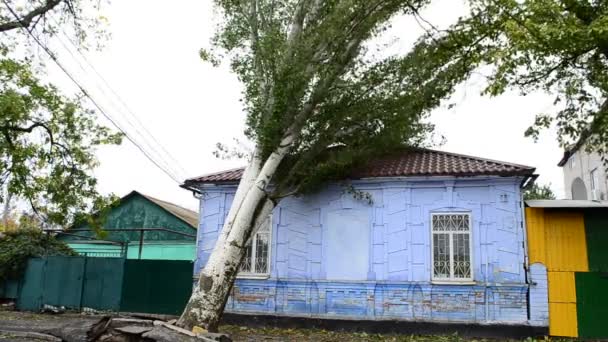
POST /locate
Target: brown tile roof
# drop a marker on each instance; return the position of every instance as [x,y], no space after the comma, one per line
[408,163]
[231,175]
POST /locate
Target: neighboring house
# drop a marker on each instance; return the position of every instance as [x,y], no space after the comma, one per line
[142,226]
[442,241]
[569,262]
[584,175]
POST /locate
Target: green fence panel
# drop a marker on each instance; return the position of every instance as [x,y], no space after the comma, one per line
[596,229]
[63,281]
[156,286]
[146,286]
[592,304]
[30,296]
[9,289]
[103,283]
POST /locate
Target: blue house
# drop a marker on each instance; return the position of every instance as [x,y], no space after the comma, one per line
[442,240]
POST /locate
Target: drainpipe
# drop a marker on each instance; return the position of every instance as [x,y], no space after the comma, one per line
[524,229]
[487,313]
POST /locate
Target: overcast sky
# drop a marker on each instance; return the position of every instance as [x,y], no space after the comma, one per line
[152,62]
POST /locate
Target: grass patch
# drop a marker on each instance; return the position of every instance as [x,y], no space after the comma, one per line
[240,333]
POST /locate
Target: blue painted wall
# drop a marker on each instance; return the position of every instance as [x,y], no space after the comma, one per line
[334,256]
[539,295]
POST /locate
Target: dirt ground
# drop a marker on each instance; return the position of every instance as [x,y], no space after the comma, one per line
[238,333]
[245,334]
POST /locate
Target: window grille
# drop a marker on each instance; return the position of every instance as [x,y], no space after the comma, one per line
[451,241]
[257,252]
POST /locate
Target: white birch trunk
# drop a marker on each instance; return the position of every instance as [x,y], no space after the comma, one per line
[249,208]
[247,180]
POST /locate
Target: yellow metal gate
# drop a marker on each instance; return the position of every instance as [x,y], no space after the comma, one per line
[557,240]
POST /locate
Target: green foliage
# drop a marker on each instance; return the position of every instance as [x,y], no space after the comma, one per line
[48,141]
[82,20]
[556,46]
[308,76]
[539,192]
[359,195]
[14,222]
[47,146]
[19,245]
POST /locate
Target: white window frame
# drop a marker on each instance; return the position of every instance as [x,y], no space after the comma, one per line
[593,184]
[594,179]
[452,279]
[253,241]
[572,161]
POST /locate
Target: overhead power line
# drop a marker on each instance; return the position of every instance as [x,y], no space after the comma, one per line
[117,96]
[89,96]
[149,145]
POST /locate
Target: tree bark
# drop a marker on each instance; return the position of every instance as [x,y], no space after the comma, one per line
[250,207]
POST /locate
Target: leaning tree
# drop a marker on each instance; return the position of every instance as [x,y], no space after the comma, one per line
[318,100]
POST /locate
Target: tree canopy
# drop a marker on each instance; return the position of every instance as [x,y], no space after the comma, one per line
[539,192]
[17,246]
[47,140]
[556,46]
[308,74]
[81,19]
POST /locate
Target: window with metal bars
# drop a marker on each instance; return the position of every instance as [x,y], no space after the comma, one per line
[451,244]
[257,254]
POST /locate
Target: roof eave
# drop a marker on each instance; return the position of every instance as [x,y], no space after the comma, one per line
[565,158]
[196,186]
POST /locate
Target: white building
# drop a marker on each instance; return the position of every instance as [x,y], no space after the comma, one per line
[584,175]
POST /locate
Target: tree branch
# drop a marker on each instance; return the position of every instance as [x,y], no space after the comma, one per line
[7,128]
[29,129]
[542,76]
[592,127]
[297,23]
[22,129]
[27,19]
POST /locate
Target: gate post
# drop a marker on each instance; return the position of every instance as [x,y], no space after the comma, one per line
[82,281]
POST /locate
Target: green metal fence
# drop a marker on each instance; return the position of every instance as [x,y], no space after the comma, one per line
[156,286]
[9,289]
[102,287]
[592,304]
[109,284]
[32,285]
[596,228]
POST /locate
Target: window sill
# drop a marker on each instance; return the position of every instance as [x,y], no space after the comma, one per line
[453,282]
[252,276]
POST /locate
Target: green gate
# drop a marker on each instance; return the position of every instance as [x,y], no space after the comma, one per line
[156,286]
[102,288]
[596,229]
[32,284]
[72,282]
[592,304]
[110,284]
[62,281]
[591,288]
[9,289]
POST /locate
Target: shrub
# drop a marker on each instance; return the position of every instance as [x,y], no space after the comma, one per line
[19,245]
